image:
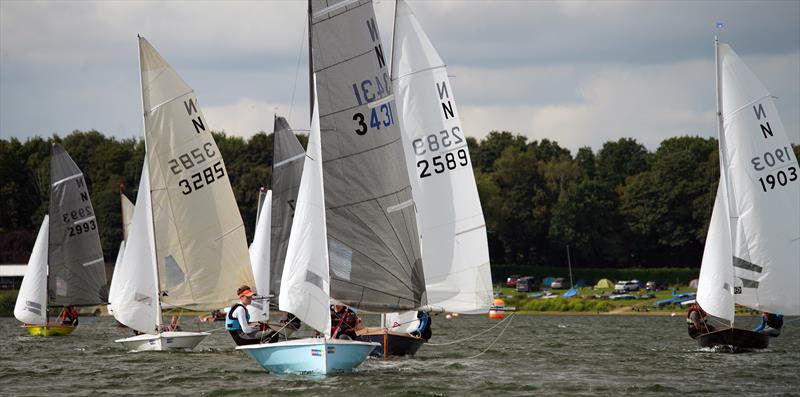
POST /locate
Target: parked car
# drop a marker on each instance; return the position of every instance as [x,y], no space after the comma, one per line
[511,281]
[655,285]
[558,283]
[625,286]
[526,284]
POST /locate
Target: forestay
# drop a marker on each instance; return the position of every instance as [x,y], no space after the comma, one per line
[200,238]
[373,239]
[77,274]
[287,169]
[760,179]
[31,306]
[134,293]
[455,252]
[306,279]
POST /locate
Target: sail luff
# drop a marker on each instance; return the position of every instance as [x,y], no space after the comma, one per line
[259,258]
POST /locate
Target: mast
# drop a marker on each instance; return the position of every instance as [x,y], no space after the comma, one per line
[394,31]
[310,66]
[569,264]
[720,138]
[151,229]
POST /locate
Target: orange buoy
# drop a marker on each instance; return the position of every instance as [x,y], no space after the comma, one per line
[497,309]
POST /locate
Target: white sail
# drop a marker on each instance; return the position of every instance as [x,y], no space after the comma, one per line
[127,215]
[31,306]
[305,282]
[763,184]
[113,289]
[714,287]
[455,253]
[200,238]
[135,298]
[259,258]
[402,322]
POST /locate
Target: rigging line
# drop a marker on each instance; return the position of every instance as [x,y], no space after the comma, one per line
[495,339]
[475,335]
[297,69]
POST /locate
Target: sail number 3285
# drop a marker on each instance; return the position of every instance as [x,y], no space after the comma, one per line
[202,178]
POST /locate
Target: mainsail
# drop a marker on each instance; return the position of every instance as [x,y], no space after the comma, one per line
[455,252]
[77,274]
[31,306]
[287,168]
[372,233]
[201,246]
[127,219]
[760,195]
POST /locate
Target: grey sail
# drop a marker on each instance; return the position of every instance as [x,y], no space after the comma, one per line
[77,273]
[287,168]
[372,233]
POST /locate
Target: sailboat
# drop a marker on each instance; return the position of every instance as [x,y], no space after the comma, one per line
[353,239]
[66,267]
[455,253]
[187,245]
[753,242]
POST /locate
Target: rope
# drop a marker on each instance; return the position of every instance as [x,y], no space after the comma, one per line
[297,70]
[495,339]
[473,336]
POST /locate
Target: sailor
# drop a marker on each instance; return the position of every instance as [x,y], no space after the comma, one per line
[771,324]
[344,322]
[69,316]
[697,321]
[237,322]
[424,329]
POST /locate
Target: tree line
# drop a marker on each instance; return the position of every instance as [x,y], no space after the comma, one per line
[623,206]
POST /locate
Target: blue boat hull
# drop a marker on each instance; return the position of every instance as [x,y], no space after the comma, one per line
[310,355]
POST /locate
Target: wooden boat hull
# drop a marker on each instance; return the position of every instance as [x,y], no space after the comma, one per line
[734,338]
[310,355]
[399,344]
[49,330]
[165,341]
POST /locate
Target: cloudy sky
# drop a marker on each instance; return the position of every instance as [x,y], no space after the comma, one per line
[578,72]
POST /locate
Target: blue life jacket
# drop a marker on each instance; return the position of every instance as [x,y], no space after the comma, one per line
[231,323]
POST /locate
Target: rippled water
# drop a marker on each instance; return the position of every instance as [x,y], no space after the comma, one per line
[541,355]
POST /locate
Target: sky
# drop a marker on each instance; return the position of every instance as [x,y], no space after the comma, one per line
[577,72]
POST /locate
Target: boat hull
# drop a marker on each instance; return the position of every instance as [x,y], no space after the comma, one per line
[398,344]
[165,341]
[310,355]
[49,330]
[734,338]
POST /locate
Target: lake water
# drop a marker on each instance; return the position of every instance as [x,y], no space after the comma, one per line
[536,355]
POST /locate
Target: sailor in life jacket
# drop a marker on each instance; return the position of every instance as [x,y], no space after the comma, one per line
[770,325]
[697,321]
[237,322]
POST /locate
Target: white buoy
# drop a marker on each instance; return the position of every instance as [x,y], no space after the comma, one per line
[448,316]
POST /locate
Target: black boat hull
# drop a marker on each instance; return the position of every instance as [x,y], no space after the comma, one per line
[734,338]
[398,344]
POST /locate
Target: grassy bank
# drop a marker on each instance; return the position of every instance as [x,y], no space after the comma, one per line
[7,300]
[589,301]
[670,275]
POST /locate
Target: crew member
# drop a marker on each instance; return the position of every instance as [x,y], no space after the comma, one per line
[69,316]
[238,325]
[771,324]
[697,321]
[344,322]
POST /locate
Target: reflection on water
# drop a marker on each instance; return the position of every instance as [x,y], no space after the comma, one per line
[552,355]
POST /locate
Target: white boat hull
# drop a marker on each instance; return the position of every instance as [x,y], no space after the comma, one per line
[165,341]
[310,355]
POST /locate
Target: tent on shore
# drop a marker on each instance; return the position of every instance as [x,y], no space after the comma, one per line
[604,283]
[693,284]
